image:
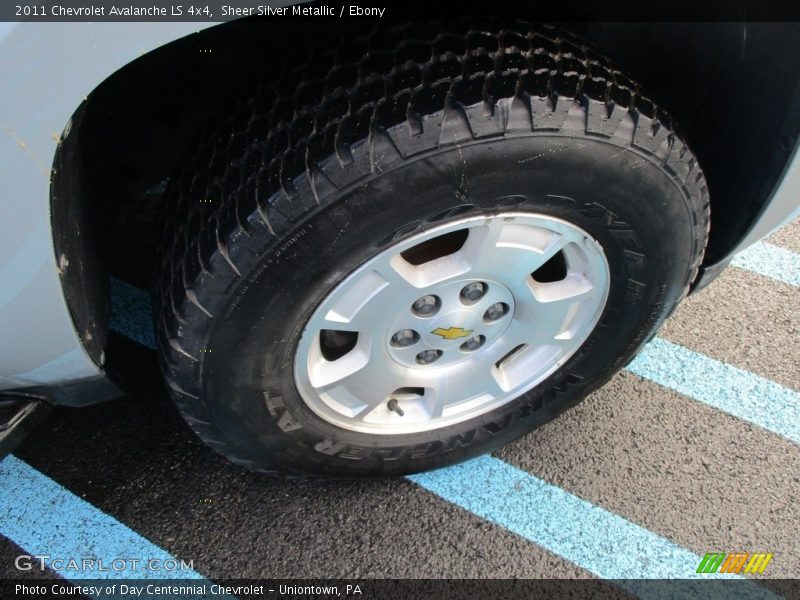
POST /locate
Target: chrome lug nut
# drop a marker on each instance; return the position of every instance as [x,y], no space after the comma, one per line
[427,357]
[495,311]
[473,343]
[472,292]
[426,306]
[404,338]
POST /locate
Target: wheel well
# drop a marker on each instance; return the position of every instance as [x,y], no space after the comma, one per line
[734,90]
[738,108]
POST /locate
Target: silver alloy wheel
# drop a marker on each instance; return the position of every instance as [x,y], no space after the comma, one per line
[451,323]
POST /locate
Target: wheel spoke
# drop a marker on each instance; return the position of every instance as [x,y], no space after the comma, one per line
[532,331]
[548,316]
[574,286]
[358,295]
[363,307]
[362,388]
[513,251]
[476,378]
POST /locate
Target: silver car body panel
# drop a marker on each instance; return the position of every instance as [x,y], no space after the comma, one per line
[47,69]
[783,206]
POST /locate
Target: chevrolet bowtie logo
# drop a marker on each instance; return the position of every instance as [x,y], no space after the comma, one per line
[451,333]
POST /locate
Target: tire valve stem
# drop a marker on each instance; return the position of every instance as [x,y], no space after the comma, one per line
[392,405]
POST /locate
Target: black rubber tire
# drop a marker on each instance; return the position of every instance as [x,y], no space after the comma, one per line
[365,145]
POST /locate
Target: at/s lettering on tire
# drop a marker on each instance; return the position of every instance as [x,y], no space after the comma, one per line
[392,260]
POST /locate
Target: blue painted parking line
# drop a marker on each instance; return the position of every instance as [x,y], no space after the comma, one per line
[771,261]
[131,313]
[44,518]
[723,386]
[597,540]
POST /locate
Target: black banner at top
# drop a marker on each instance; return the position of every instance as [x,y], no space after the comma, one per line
[215,11]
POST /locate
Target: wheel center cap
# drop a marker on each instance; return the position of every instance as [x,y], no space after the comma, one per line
[453,328]
[459,329]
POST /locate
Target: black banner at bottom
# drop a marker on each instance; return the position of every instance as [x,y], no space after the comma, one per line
[393,589]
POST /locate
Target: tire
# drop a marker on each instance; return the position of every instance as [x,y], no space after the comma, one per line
[312,177]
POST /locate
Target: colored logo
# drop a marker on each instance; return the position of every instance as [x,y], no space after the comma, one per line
[452,333]
[737,562]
